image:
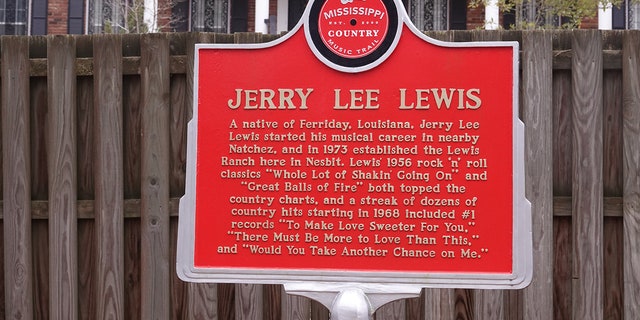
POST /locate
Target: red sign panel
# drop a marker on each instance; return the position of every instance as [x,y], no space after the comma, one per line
[307,164]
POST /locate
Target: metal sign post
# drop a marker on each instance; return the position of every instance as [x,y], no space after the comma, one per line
[356,161]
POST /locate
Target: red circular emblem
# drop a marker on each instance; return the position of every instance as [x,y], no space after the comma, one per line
[353,28]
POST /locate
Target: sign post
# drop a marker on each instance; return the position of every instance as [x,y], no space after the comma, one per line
[356,157]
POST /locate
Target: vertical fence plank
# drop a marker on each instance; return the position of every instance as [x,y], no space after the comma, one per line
[109,202]
[562,169]
[202,297]
[249,297]
[442,303]
[394,310]
[631,189]
[155,177]
[16,178]
[319,311]
[132,128]
[439,304]
[86,227]
[249,301]
[61,146]
[537,115]
[177,163]
[488,304]
[295,307]
[587,73]
[414,307]
[39,181]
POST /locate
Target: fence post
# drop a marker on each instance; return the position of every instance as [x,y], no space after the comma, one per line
[538,117]
[109,194]
[16,183]
[62,168]
[631,158]
[587,208]
[154,69]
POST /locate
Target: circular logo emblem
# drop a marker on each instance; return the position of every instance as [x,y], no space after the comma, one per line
[353,28]
[353,35]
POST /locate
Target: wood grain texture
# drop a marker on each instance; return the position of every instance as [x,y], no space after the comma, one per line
[538,119]
[155,176]
[18,282]
[613,273]
[488,304]
[439,304]
[249,301]
[464,304]
[109,177]
[394,310]
[319,311]
[294,307]
[203,298]
[414,308]
[274,296]
[28,185]
[587,223]
[62,155]
[631,189]
[39,184]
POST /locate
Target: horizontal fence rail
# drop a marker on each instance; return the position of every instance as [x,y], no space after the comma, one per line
[93,145]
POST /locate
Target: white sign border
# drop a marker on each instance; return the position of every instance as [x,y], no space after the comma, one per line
[522,268]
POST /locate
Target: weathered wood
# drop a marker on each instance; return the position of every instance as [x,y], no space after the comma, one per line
[63,268]
[319,311]
[562,268]
[612,165]
[631,172]
[537,116]
[464,305]
[613,304]
[248,296]
[295,307]
[587,285]
[414,308]
[16,178]
[618,193]
[203,298]
[249,301]
[132,270]
[439,304]
[39,182]
[86,208]
[391,311]
[488,304]
[155,177]
[109,177]
[274,297]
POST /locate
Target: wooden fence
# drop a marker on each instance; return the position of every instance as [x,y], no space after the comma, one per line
[93,162]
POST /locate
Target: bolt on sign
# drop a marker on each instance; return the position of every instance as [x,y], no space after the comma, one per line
[356,149]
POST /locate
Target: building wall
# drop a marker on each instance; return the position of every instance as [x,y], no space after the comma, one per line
[58,12]
[475,18]
[57,16]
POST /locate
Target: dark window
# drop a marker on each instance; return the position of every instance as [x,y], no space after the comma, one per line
[296,9]
[13,17]
[76,17]
[619,16]
[458,15]
[239,15]
[509,19]
[180,16]
[39,17]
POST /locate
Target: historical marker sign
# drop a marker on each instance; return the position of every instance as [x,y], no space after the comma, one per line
[355,149]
